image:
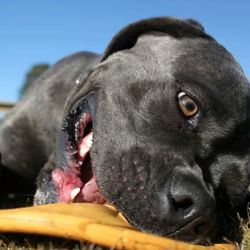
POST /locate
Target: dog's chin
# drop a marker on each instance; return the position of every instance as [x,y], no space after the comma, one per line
[202,234]
[208,236]
[76,182]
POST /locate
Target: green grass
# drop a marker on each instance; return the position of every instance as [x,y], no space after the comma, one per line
[245,228]
[30,242]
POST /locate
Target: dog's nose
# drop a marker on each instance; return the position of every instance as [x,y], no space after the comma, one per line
[192,206]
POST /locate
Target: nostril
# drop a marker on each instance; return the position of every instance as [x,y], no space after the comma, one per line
[191,207]
[182,203]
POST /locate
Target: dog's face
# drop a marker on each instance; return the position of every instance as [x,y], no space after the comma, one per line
[170,135]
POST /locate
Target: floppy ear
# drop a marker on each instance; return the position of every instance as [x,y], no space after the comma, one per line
[177,28]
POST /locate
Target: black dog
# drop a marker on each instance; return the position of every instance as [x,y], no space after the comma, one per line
[158,126]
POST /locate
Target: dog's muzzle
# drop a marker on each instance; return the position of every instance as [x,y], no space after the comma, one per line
[189,206]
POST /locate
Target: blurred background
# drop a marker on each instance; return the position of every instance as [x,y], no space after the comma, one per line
[36,34]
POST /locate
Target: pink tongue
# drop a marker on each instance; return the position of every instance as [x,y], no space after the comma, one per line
[91,193]
[68,184]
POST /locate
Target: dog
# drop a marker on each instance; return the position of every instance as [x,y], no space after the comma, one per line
[158,126]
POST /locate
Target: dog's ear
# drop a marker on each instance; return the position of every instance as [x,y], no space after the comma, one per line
[177,28]
[196,23]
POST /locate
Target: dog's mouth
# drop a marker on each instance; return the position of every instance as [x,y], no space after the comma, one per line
[76,181]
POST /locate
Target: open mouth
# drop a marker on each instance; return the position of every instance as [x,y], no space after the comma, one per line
[76,181]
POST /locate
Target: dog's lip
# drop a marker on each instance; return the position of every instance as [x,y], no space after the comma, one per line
[193,237]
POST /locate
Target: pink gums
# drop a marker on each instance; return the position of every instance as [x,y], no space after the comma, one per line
[65,182]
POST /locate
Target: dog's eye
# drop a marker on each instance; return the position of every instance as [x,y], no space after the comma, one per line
[187,104]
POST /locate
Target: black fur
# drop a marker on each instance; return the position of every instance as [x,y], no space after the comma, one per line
[186,178]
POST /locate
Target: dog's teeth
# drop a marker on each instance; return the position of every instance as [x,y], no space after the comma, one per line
[86,145]
[74,193]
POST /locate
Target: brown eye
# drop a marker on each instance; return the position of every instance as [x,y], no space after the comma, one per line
[187,105]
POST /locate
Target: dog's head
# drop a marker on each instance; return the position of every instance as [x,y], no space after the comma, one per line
[168,110]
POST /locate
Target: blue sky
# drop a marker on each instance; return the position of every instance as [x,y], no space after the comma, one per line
[45,31]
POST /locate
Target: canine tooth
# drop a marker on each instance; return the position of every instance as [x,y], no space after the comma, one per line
[74,193]
[86,145]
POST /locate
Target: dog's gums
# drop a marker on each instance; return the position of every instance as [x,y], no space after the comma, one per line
[77,183]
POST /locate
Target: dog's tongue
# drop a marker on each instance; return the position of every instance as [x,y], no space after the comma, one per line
[91,192]
[70,186]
